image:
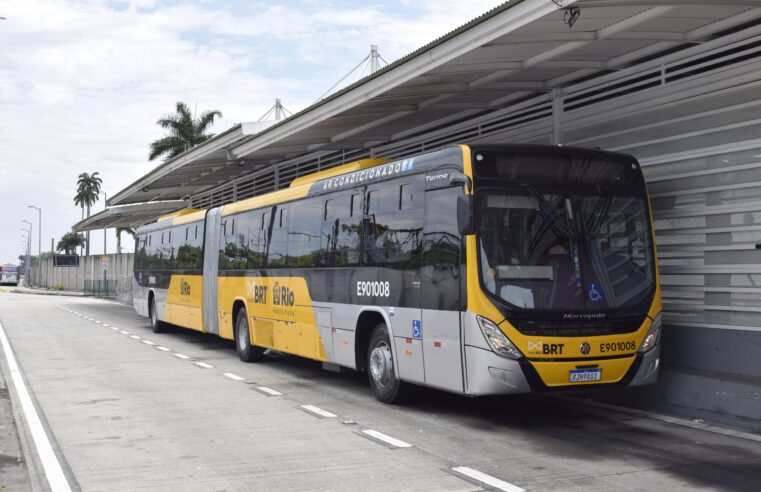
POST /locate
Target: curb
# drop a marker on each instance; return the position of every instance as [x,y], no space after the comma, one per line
[48,293]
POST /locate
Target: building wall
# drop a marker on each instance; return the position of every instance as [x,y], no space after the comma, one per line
[90,268]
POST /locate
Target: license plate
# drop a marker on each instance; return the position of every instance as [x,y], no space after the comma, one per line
[584,375]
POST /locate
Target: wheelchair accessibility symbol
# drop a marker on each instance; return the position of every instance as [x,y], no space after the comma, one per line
[416,332]
[594,292]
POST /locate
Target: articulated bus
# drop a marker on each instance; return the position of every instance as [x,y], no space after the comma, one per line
[8,275]
[477,270]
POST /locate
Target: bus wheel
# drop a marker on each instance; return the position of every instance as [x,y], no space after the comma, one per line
[246,350]
[156,325]
[380,368]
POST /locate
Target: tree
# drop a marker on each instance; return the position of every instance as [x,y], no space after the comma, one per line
[184,131]
[70,242]
[88,191]
[119,231]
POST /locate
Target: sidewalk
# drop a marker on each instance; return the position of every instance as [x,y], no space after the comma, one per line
[14,474]
[45,292]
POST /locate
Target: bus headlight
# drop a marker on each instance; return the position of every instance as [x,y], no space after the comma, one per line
[497,340]
[653,335]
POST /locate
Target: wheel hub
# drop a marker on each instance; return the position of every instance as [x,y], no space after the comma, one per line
[380,364]
[242,332]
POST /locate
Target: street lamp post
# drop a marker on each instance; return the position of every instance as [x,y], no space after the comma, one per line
[28,252]
[39,241]
[105,199]
[105,272]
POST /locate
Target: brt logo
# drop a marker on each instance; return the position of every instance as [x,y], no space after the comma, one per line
[258,293]
[540,348]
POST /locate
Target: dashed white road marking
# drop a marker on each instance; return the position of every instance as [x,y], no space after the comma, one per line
[268,391]
[181,356]
[234,377]
[148,342]
[204,365]
[134,337]
[493,482]
[105,324]
[386,438]
[53,470]
[163,349]
[114,327]
[318,411]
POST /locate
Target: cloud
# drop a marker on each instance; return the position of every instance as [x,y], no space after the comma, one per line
[82,83]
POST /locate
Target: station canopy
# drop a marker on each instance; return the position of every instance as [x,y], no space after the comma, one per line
[517,62]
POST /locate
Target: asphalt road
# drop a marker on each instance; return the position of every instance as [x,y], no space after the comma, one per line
[123,414]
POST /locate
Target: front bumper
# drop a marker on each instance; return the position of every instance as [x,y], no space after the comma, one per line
[489,374]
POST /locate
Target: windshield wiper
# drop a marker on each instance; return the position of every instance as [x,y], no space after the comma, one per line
[549,217]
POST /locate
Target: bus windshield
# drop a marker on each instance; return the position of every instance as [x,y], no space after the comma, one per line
[563,229]
[565,251]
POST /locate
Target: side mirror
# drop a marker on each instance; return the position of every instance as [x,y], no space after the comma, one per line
[465,215]
[459,179]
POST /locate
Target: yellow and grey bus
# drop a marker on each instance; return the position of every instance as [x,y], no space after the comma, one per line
[477,270]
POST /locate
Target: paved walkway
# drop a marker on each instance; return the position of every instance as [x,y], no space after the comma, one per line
[13,471]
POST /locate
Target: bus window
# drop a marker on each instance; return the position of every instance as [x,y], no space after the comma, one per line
[253,239]
[340,231]
[277,250]
[189,253]
[392,237]
[441,251]
[304,235]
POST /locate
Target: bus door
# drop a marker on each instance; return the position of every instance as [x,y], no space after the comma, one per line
[440,289]
[211,270]
[391,256]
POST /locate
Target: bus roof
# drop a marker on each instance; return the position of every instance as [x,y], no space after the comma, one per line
[299,188]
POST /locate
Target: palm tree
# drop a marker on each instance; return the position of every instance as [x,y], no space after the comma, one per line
[184,131]
[119,231]
[88,191]
[70,242]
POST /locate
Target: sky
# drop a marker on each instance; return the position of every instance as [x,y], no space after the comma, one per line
[82,83]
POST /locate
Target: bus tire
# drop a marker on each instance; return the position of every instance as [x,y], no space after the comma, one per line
[381,373]
[247,351]
[156,325]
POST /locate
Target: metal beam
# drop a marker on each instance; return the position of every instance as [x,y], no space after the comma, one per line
[604,33]
[382,121]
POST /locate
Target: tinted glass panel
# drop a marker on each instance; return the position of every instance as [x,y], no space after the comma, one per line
[341,231]
[553,251]
[304,234]
[441,251]
[243,248]
[277,249]
[393,237]
[571,166]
